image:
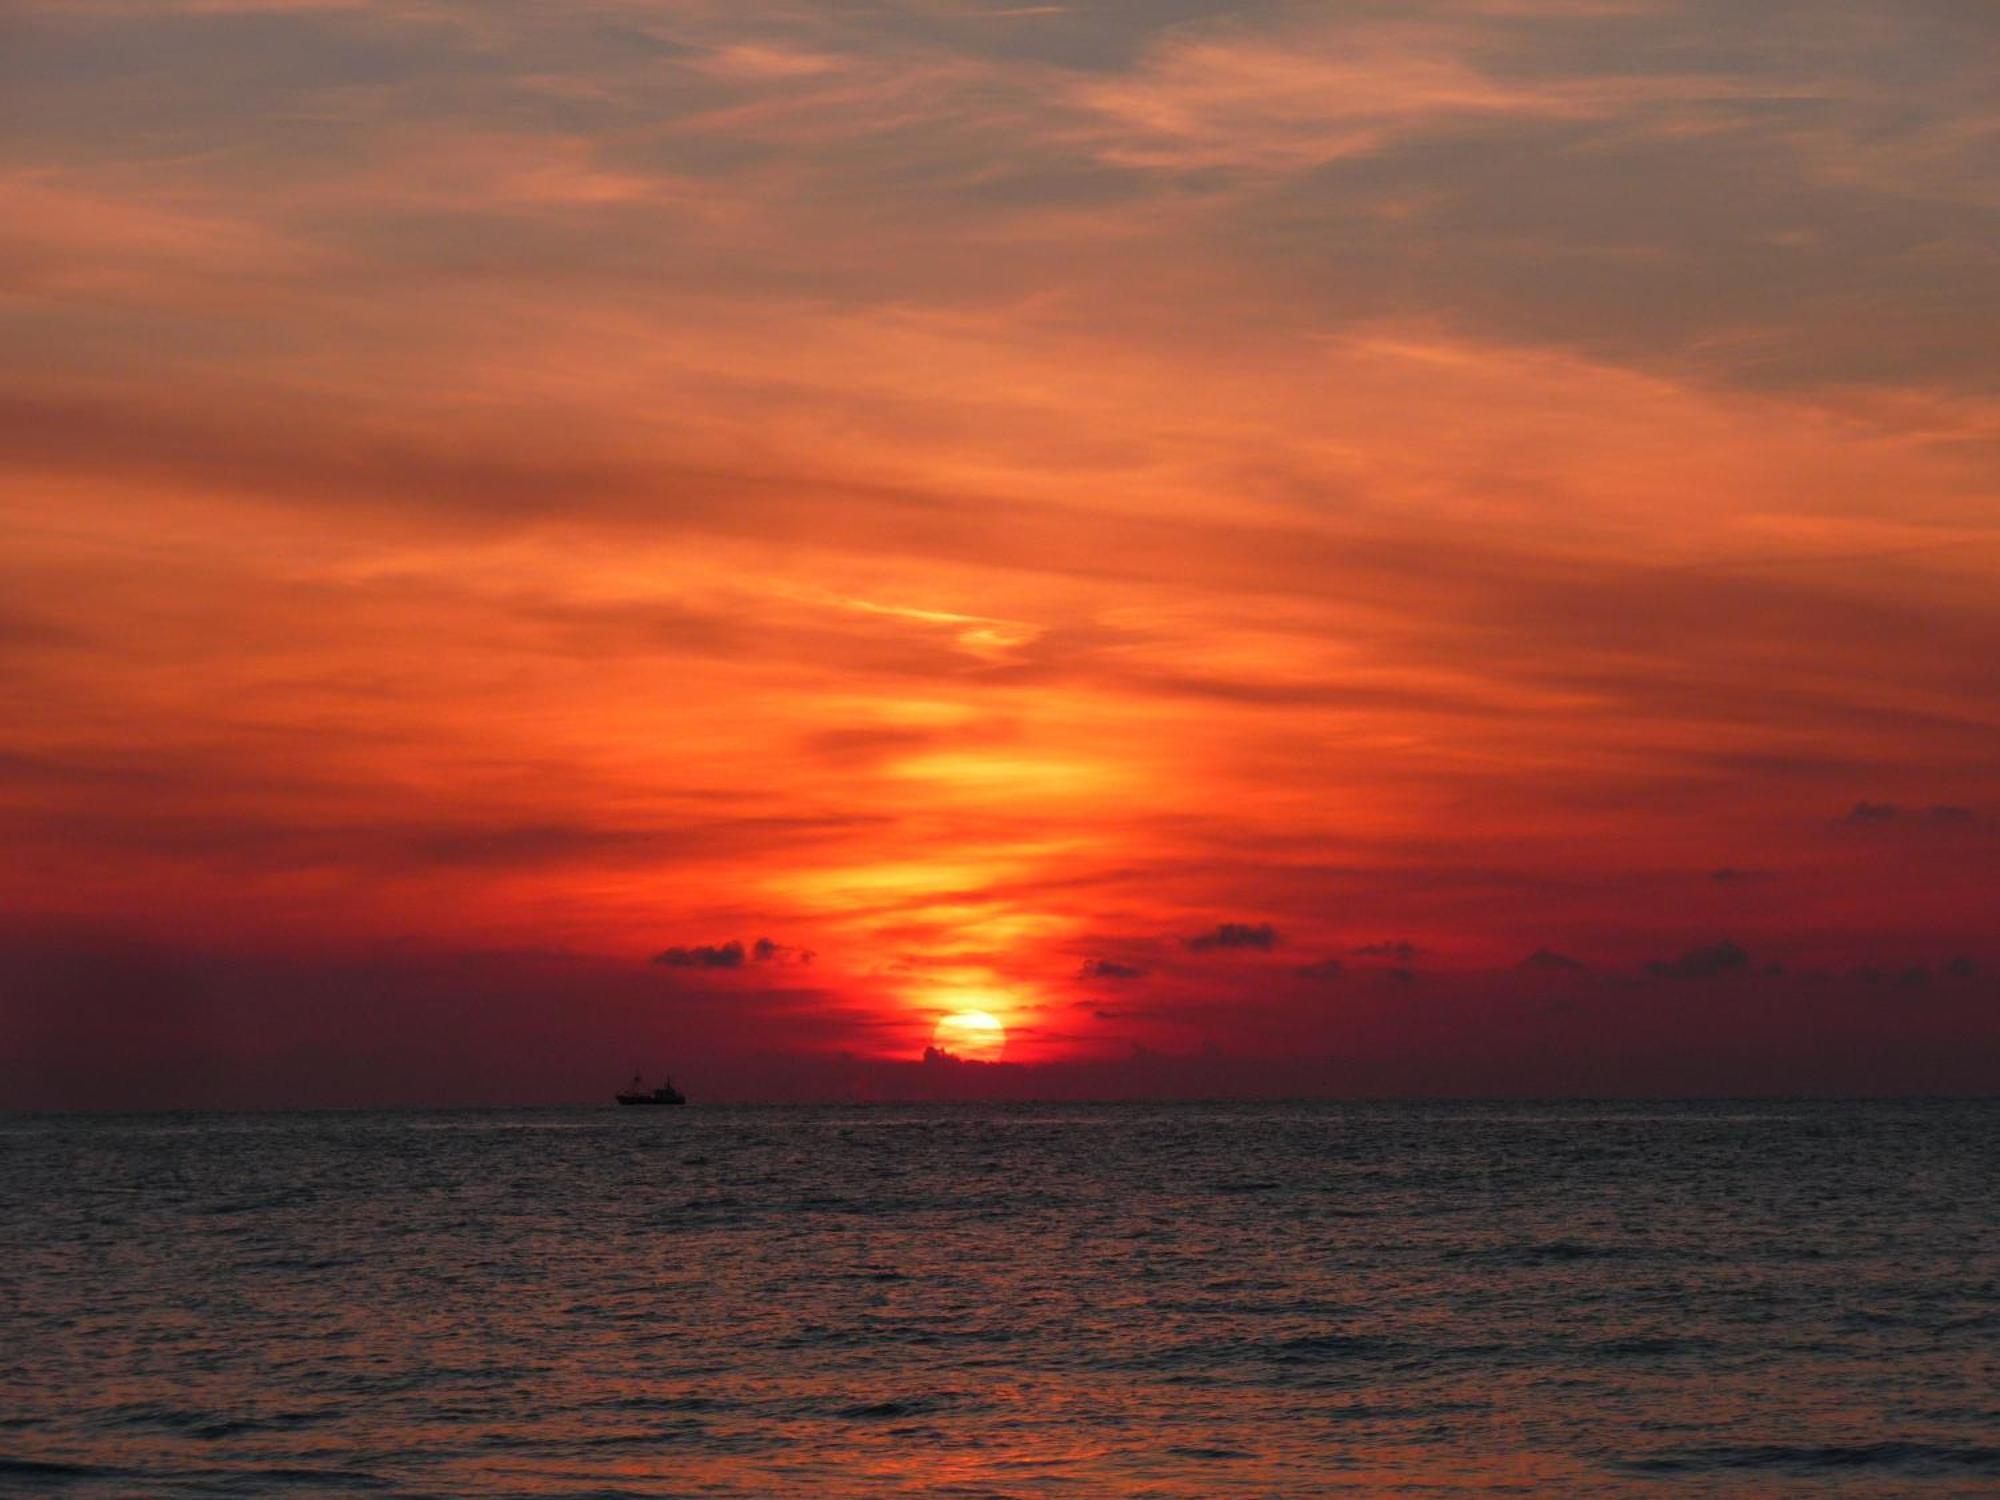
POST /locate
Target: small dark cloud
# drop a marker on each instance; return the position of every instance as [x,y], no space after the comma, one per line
[1873,812]
[764,951]
[732,955]
[1400,950]
[1950,815]
[1324,972]
[703,956]
[1961,968]
[1548,961]
[1108,968]
[1715,961]
[1259,935]
[1399,975]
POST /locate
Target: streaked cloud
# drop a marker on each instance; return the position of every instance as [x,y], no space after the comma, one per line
[947,484]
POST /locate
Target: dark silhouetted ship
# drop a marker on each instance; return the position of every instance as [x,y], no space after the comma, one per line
[636,1092]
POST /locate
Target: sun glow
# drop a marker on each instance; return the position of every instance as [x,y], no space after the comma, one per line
[971,1035]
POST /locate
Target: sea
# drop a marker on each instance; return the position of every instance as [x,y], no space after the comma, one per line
[1005,1300]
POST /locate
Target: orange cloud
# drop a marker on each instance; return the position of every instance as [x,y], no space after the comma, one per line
[986,501]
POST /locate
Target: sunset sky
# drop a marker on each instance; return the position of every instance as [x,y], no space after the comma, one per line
[1355,547]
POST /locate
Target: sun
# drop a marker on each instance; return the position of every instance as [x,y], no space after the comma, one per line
[971,1035]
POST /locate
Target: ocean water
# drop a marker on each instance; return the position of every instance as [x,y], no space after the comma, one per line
[1731,1299]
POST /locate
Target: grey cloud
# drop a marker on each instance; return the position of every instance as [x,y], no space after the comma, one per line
[1400,950]
[703,956]
[1731,875]
[764,951]
[1715,961]
[732,955]
[1548,961]
[1324,972]
[1937,815]
[1108,968]
[1258,935]
[1873,812]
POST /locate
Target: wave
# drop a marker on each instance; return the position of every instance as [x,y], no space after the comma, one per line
[1917,1460]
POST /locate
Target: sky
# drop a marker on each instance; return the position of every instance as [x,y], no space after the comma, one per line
[1348,548]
